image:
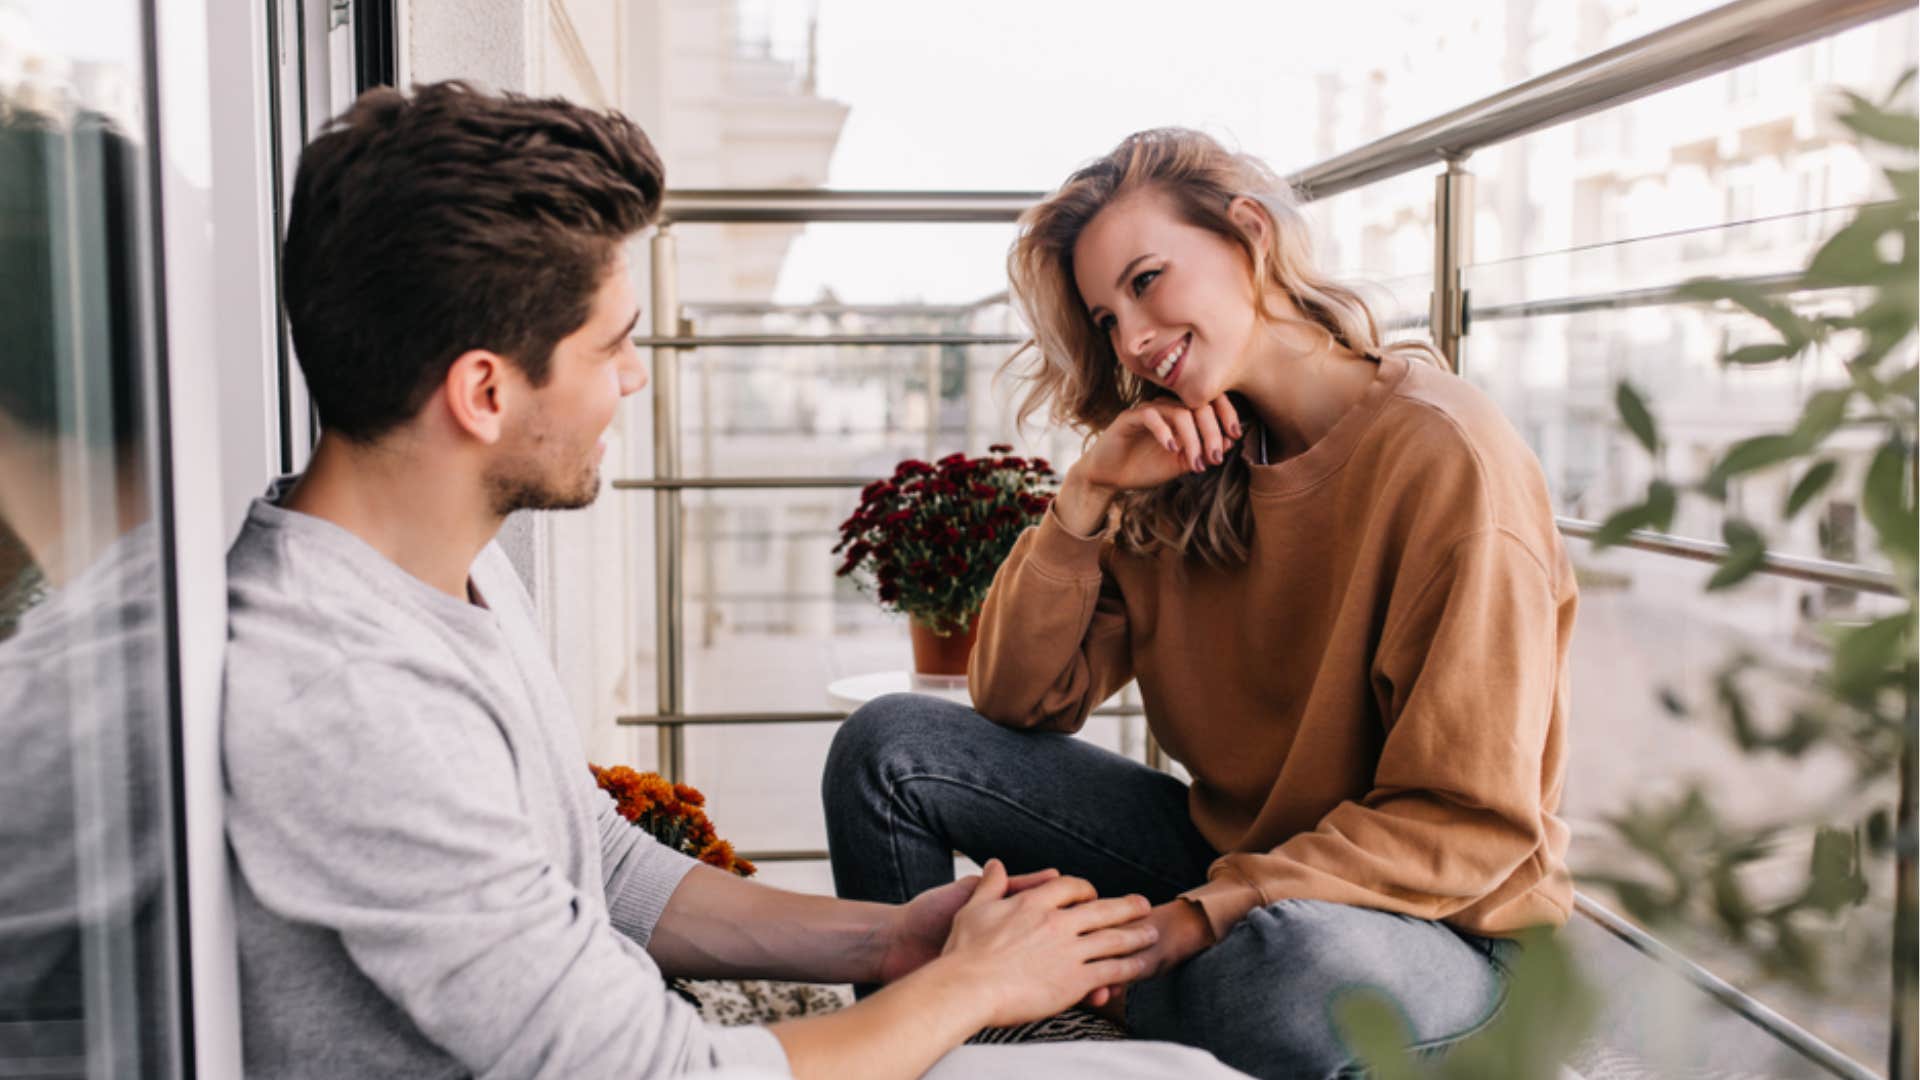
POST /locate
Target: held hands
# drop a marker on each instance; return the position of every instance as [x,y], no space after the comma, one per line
[1181,933]
[1148,445]
[1052,945]
[921,925]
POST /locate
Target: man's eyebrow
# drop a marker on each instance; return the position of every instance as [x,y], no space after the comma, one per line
[624,334]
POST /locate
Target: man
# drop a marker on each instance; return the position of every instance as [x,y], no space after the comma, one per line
[429,883]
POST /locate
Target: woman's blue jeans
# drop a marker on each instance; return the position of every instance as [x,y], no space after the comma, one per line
[912,779]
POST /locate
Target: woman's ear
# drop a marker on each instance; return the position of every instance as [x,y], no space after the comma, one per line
[1252,219]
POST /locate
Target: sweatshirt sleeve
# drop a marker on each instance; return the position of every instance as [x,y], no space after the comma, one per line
[380,804]
[1465,674]
[1052,641]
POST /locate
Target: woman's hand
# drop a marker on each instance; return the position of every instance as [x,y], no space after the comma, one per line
[1148,445]
[1182,933]
[1051,946]
[920,926]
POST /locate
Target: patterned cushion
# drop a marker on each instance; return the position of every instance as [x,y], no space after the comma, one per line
[733,1002]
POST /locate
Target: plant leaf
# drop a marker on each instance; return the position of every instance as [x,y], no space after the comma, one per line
[1872,122]
[1633,412]
[1769,353]
[1795,330]
[1811,484]
[1900,85]
[1748,455]
[1656,513]
[1905,184]
[1865,657]
[1851,256]
[1823,413]
[1746,551]
[1889,506]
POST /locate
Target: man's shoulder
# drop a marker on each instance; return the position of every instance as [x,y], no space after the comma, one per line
[315,625]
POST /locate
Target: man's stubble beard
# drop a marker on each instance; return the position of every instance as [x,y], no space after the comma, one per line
[522,484]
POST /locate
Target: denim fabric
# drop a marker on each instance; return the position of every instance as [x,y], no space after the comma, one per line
[912,779]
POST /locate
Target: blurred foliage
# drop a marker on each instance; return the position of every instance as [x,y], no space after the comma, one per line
[1691,860]
[1690,857]
[1548,1010]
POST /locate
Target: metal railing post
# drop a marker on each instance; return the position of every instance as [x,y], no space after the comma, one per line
[1452,251]
[1903,1056]
[667,555]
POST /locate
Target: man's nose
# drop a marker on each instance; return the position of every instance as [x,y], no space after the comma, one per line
[633,376]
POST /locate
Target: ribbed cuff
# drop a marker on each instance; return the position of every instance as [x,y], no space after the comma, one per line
[753,1048]
[639,895]
[1225,898]
[1061,552]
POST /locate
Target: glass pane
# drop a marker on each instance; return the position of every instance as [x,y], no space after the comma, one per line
[89,972]
[1555,374]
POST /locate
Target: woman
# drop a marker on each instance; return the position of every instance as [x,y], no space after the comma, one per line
[1333,569]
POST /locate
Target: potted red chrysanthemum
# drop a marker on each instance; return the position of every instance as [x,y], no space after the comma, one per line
[928,540]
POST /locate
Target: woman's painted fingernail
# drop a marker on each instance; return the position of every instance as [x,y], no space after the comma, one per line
[1173,446]
[1218,457]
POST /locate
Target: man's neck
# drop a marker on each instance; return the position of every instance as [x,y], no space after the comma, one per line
[428,517]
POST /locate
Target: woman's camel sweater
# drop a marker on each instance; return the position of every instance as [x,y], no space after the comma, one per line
[1373,708]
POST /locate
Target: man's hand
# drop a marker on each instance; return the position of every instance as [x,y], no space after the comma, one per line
[1183,933]
[920,926]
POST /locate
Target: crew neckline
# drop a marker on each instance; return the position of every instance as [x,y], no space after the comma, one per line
[1325,457]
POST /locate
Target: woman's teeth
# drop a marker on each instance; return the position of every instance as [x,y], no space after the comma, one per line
[1173,358]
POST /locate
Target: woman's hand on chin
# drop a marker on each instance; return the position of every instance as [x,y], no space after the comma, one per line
[1148,445]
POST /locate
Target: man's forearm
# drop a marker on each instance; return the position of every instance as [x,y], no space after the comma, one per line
[895,1034]
[721,926]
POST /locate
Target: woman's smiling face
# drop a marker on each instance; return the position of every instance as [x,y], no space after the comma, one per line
[1176,300]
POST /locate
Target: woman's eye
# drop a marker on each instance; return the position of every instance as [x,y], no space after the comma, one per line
[1104,323]
[1143,279]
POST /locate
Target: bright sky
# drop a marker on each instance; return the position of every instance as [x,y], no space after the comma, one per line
[986,96]
[1013,94]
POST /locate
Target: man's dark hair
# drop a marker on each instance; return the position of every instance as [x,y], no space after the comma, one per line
[426,226]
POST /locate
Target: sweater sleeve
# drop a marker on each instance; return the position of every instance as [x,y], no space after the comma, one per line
[1465,674]
[381,804]
[1052,641]
[639,873]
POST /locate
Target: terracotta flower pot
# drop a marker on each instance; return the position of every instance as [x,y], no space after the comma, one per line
[937,655]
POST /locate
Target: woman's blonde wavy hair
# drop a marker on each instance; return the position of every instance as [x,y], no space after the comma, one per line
[1075,375]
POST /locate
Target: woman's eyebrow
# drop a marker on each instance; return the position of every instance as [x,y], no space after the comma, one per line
[1137,260]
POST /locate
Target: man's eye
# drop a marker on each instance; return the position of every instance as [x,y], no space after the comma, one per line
[1142,279]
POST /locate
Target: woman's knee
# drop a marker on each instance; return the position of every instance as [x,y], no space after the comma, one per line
[891,731]
[1267,999]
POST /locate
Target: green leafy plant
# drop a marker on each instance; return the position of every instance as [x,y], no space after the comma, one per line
[1863,702]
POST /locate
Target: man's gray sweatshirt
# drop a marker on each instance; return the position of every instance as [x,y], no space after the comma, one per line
[428,882]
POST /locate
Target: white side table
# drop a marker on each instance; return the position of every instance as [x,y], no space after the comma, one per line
[856,690]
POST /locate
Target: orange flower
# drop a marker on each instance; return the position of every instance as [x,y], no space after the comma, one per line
[671,813]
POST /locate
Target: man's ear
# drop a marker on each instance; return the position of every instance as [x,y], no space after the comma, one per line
[478,388]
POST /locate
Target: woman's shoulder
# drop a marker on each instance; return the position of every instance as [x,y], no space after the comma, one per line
[1443,442]
[1438,420]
